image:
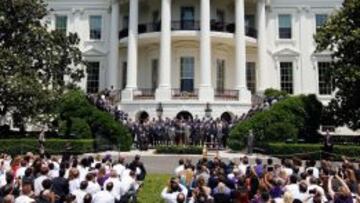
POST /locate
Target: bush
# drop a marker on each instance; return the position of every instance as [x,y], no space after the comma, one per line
[275,94]
[75,110]
[179,149]
[289,118]
[52,146]
[310,151]
[75,128]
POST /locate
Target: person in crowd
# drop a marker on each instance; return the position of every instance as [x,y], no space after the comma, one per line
[171,193]
[66,184]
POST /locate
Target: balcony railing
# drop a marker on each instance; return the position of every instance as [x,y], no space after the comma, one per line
[149,27]
[185,25]
[144,94]
[189,25]
[228,95]
[179,94]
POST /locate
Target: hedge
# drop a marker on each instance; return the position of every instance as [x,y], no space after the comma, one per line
[291,118]
[309,150]
[52,146]
[179,149]
[78,116]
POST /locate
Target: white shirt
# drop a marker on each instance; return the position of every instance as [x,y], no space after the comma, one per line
[24,199]
[20,172]
[79,194]
[179,169]
[74,185]
[103,197]
[292,188]
[126,183]
[119,169]
[171,197]
[116,191]
[242,168]
[53,174]
[93,187]
[38,184]
[315,171]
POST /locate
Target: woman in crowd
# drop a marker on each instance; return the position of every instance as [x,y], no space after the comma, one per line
[289,181]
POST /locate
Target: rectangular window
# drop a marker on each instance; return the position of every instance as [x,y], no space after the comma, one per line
[220,74]
[126,22]
[325,86]
[285,26]
[154,73]
[286,77]
[187,74]
[95,27]
[251,76]
[124,75]
[320,20]
[61,23]
[220,16]
[93,71]
[187,18]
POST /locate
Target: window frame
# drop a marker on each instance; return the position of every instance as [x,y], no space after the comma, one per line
[101,26]
[287,85]
[326,82]
[66,22]
[183,76]
[220,74]
[251,76]
[90,80]
[279,27]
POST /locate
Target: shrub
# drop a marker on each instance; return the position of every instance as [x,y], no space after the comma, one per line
[52,146]
[310,151]
[289,118]
[179,149]
[274,93]
[77,127]
[74,107]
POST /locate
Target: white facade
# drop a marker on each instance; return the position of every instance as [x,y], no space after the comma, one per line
[208,40]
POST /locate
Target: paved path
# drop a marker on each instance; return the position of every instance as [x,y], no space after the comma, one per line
[160,163]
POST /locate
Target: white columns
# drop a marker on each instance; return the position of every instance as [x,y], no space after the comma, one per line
[164,90]
[240,53]
[113,70]
[261,39]
[132,57]
[206,91]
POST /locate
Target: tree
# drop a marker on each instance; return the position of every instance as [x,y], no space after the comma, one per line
[341,35]
[33,60]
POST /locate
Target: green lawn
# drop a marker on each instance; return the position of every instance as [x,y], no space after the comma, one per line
[153,185]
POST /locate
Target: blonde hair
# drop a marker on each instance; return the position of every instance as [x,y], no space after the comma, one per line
[288,198]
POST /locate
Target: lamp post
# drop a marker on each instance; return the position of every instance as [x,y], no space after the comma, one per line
[159,110]
[208,110]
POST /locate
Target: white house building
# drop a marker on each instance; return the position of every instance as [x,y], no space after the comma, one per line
[185,54]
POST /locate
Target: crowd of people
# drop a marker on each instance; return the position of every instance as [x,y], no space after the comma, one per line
[69,179]
[291,181]
[189,131]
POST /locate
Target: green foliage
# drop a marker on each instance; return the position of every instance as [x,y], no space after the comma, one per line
[33,61]
[289,118]
[153,185]
[77,127]
[274,93]
[341,36]
[53,146]
[74,106]
[310,151]
[173,149]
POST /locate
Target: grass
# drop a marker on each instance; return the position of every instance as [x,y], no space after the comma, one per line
[151,190]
